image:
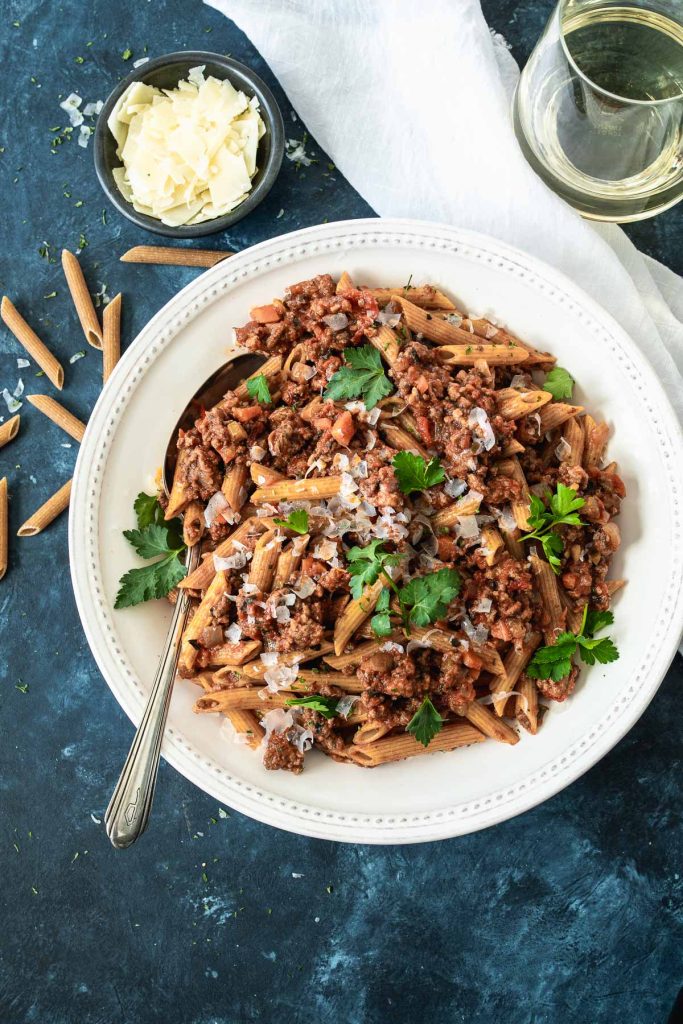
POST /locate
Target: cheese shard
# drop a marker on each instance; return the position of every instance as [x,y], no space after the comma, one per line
[188,154]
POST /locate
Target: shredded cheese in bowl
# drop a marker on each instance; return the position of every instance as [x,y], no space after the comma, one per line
[189,153]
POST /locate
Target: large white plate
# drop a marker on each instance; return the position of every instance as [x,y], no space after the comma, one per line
[445,794]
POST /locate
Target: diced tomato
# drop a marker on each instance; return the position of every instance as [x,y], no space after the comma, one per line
[422,384]
[322,423]
[344,428]
[250,412]
[265,314]
[311,567]
[424,425]
[447,549]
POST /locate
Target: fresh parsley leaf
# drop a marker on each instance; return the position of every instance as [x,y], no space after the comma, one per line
[326,706]
[149,582]
[559,382]
[366,564]
[257,387]
[381,620]
[555,660]
[428,597]
[297,520]
[413,473]
[362,377]
[153,538]
[425,723]
[148,510]
[562,511]
[150,542]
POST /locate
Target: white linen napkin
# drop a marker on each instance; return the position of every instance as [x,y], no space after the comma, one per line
[412,103]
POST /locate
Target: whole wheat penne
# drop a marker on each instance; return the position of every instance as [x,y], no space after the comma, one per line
[256,670]
[485,329]
[47,512]
[289,560]
[400,439]
[526,704]
[180,495]
[9,430]
[193,523]
[111,336]
[344,661]
[81,298]
[246,723]
[513,403]
[264,476]
[166,255]
[311,410]
[370,732]
[244,699]
[355,614]
[395,748]
[572,432]
[613,586]
[309,680]
[233,655]
[491,543]
[264,561]
[482,718]
[475,352]
[291,490]
[468,505]
[234,486]
[515,662]
[387,343]
[425,296]
[4,526]
[546,581]
[554,414]
[27,337]
[59,415]
[596,439]
[512,446]
[199,621]
[520,507]
[204,573]
[344,284]
[270,369]
[514,544]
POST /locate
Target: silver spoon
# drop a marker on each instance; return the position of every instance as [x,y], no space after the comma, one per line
[128,812]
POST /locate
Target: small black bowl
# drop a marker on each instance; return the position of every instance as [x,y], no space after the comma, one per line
[165,73]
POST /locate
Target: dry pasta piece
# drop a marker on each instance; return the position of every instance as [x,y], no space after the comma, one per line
[199,621]
[166,255]
[289,560]
[27,337]
[41,518]
[81,299]
[512,404]
[4,526]
[264,561]
[234,486]
[550,597]
[396,748]
[425,296]
[526,704]
[290,490]
[554,414]
[270,369]
[477,351]
[482,718]
[246,723]
[9,430]
[111,336]
[59,415]
[387,343]
[596,439]
[355,614]
[572,433]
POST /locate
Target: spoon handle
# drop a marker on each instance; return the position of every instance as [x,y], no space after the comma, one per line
[128,812]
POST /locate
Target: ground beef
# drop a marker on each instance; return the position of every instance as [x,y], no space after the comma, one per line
[558,691]
[388,672]
[456,681]
[200,472]
[289,436]
[305,626]
[281,753]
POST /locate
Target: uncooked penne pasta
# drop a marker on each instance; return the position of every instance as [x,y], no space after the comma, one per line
[572,432]
[82,299]
[199,621]
[526,704]
[482,718]
[59,415]
[270,369]
[27,337]
[546,581]
[234,486]
[289,561]
[395,748]
[292,490]
[355,614]
[386,341]
[193,523]
[596,439]
[245,723]
[111,336]
[4,526]
[512,404]
[167,255]
[476,351]
[264,561]
[9,430]
[47,512]
[554,414]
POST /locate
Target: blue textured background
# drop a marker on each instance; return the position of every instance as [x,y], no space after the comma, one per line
[568,914]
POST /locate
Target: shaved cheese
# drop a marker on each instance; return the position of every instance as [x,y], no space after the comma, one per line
[336,321]
[189,153]
[483,605]
[344,705]
[233,633]
[563,450]
[479,424]
[454,488]
[12,404]
[391,646]
[71,105]
[468,527]
[216,505]
[490,698]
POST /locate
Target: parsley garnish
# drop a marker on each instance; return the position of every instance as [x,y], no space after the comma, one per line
[564,505]
[152,538]
[367,564]
[414,474]
[381,620]
[555,662]
[297,520]
[428,597]
[127,54]
[362,377]
[257,387]
[425,723]
[559,382]
[326,706]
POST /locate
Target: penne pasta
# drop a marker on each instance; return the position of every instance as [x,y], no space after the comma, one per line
[270,369]
[572,432]
[355,614]
[596,438]
[204,573]
[400,439]
[397,747]
[614,586]
[289,561]
[520,507]
[482,718]
[234,486]
[179,496]
[246,723]
[193,523]
[546,580]
[387,343]
[554,414]
[370,732]
[111,336]
[4,526]
[233,655]
[27,337]
[491,543]
[526,704]
[81,299]
[9,430]
[167,255]
[480,351]
[514,664]
[308,681]
[447,517]
[199,621]
[47,512]
[344,284]
[59,415]
[292,490]
[256,670]
[264,476]
[512,404]
[425,296]
[344,661]
[264,561]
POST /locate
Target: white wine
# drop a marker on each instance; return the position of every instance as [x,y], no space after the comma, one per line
[599,109]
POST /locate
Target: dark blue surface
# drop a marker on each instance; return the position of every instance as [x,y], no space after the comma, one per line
[570,914]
